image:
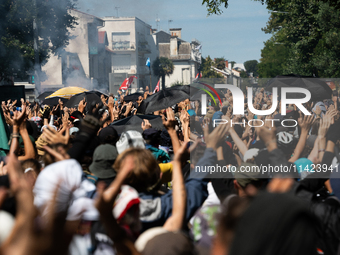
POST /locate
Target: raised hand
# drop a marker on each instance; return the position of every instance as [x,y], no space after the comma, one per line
[81,106]
[146,124]
[170,122]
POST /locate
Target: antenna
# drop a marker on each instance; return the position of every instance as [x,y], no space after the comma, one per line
[117,10]
[157,23]
[169,21]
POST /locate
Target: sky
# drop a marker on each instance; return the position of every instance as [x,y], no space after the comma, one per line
[235,35]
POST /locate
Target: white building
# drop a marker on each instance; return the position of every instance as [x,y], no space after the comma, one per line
[130,43]
[186,56]
[83,62]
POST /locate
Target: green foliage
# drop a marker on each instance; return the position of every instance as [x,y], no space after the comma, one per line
[305,40]
[16,32]
[176,83]
[215,6]
[206,70]
[252,67]
[273,58]
[243,74]
[219,63]
[162,67]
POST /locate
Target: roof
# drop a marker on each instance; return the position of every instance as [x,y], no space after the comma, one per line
[85,13]
[183,49]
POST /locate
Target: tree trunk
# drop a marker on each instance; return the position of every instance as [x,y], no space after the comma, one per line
[163,82]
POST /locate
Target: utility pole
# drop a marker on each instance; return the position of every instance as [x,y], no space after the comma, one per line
[36,51]
[169,21]
[117,10]
[157,23]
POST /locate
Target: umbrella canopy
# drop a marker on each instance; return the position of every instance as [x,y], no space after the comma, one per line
[67,92]
[319,89]
[98,93]
[134,123]
[89,97]
[43,95]
[133,97]
[166,98]
[53,100]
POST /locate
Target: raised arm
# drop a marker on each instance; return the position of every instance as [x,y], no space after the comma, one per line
[175,222]
[104,203]
[305,125]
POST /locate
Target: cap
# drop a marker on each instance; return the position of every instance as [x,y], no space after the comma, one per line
[103,158]
[127,197]
[130,139]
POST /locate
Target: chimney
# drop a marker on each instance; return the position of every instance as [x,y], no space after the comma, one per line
[176,32]
[226,63]
[173,46]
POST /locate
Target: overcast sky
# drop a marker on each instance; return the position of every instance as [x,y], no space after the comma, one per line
[235,35]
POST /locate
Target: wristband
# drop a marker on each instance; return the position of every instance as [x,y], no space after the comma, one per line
[321,150]
[15,135]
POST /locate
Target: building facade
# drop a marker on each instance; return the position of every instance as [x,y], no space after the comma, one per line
[186,56]
[130,44]
[83,62]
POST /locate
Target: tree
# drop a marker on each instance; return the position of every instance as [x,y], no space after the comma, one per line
[215,6]
[243,74]
[273,59]
[206,70]
[161,67]
[308,37]
[220,63]
[251,67]
[16,32]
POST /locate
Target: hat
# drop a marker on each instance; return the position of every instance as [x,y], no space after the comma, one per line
[74,130]
[127,197]
[147,235]
[251,153]
[247,173]
[169,243]
[191,112]
[7,224]
[304,167]
[209,114]
[103,158]
[151,134]
[108,135]
[322,108]
[40,143]
[130,139]
[225,103]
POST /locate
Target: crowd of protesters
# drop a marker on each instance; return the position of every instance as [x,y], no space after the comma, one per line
[71,184]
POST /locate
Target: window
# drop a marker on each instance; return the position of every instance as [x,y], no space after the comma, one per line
[121,40]
[121,62]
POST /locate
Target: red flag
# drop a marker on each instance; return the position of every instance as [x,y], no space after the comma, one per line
[131,80]
[198,75]
[124,85]
[127,82]
[157,87]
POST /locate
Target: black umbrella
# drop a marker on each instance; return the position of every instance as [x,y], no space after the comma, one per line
[53,101]
[319,89]
[133,97]
[166,98]
[89,97]
[134,123]
[43,95]
[98,93]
